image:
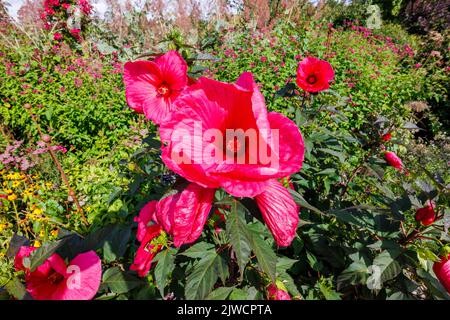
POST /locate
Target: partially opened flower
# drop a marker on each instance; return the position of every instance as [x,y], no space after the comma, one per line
[314,75]
[426,215]
[274,293]
[222,136]
[56,280]
[184,214]
[442,271]
[151,87]
[147,250]
[393,160]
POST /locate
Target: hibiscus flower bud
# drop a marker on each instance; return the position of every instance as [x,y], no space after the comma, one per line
[442,271]
[27,106]
[393,160]
[426,215]
[274,293]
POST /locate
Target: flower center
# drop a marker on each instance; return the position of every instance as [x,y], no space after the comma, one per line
[311,79]
[163,90]
[55,277]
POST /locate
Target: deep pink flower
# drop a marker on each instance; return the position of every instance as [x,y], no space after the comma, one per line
[442,271]
[314,75]
[280,212]
[55,280]
[393,160]
[183,215]
[426,215]
[151,87]
[237,167]
[57,36]
[147,250]
[274,293]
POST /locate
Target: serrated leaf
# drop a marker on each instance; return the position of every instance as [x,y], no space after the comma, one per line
[267,259]
[39,256]
[163,268]
[198,250]
[202,277]
[239,236]
[118,281]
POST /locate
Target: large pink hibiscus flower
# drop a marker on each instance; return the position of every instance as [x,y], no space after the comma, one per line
[151,87]
[197,146]
[55,280]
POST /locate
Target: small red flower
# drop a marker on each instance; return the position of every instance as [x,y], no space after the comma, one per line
[426,215]
[386,137]
[314,75]
[442,271]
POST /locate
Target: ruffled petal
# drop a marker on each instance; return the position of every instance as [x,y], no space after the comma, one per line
[173,69]
[145,216]
[141,79]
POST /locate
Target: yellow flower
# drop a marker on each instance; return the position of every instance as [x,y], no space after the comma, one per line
[3,226]
[8,191]
[15,184]
[37,244]
[38,211]
[12,197]
[54,233]
[48,184]
[42,233]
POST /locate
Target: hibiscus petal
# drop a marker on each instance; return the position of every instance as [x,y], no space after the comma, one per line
[85,273]
[173,69]
[279,211]
[191,213]
[141,79]
[145,216]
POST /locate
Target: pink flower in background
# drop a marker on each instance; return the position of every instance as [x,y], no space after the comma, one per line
[426,215]
[219,107]
[151,87]
[55,280]
[274,293]
[57,36]
[314,75]
[442,271]
[393,160]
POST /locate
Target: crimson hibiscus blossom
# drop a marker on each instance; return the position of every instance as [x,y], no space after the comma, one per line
[314,75]
[151,87]
[55,280]
[197,146]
